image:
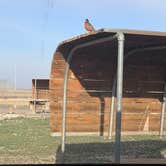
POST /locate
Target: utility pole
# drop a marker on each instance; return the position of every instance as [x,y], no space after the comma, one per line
[15,82]
[15,75]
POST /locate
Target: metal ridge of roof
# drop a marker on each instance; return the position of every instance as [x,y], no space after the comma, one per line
[111,30]
[40,78]
[136,32]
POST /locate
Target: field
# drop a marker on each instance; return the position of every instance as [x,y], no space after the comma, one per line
[28,141]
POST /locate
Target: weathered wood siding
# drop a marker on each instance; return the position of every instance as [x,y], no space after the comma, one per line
[89,92]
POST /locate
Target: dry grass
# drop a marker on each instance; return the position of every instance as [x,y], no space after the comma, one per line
[28,141]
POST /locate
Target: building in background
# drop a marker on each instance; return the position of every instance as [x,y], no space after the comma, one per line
[40,94]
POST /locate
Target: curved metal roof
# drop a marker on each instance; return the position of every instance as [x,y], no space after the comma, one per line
[133,38]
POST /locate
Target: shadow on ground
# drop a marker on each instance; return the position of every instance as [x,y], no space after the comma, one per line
[104,152]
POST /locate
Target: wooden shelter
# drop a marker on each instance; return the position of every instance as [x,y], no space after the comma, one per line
[40,94]
[41,88]
[91,83]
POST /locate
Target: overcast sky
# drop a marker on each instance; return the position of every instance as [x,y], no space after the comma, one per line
[30,30]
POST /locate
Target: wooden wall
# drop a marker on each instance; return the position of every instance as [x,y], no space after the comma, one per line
[89,92]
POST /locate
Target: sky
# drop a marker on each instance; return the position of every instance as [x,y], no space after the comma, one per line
[30,30]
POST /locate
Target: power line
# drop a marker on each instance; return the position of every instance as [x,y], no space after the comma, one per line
[50,4]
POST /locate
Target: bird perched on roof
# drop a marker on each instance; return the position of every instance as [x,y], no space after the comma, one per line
[88,26]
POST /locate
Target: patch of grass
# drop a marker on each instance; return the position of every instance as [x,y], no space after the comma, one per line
[98,150]
[26,137]
[28,140]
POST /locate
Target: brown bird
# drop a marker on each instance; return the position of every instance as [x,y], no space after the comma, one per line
[88,26]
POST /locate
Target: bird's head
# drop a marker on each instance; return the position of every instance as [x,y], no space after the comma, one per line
[86,20]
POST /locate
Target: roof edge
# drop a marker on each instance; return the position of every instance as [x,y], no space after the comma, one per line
[111,30]
[135,32]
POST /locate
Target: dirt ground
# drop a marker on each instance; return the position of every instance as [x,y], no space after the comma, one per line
[15,113]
